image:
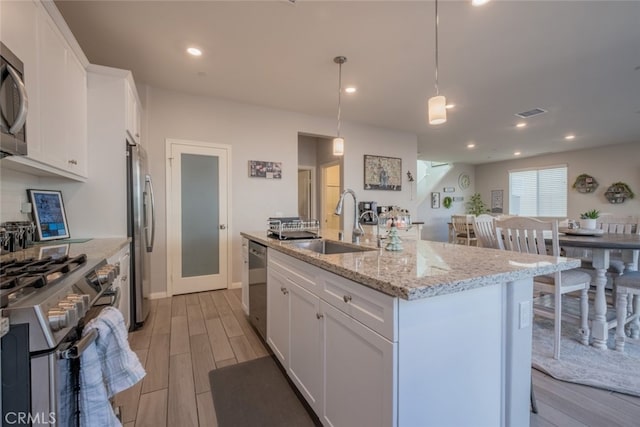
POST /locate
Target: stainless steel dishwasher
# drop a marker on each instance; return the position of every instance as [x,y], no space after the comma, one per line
[258,287]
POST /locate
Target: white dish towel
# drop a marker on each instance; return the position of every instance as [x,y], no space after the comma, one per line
[107,367]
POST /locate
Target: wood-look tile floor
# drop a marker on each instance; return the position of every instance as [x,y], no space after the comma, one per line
[187,336]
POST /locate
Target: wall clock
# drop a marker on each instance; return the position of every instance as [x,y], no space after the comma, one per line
[464,181]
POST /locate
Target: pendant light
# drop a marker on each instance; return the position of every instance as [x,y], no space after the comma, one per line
[338,141]
[437,104]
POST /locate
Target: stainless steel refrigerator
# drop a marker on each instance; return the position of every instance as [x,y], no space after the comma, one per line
[141,224]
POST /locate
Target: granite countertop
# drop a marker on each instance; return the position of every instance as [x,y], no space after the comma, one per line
[95,249]
[423,268]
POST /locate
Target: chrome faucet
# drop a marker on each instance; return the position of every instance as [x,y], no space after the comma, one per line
[357,228]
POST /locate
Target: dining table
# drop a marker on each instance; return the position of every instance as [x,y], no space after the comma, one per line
[601,246]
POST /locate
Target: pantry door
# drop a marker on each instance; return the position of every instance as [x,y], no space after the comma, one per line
[198,243]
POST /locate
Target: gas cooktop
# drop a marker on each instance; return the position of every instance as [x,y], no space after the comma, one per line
[21,278]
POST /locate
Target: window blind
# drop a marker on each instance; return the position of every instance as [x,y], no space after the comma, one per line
[538,192]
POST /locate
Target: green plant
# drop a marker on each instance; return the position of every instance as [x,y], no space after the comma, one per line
[446,202]
[592,214]
[475,205]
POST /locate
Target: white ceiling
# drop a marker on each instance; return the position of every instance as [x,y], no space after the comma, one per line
[580,60]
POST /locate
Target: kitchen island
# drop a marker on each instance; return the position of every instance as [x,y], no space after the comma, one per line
[436,334]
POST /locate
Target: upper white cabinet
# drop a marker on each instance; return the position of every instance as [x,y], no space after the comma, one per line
[56,83]
[133,114]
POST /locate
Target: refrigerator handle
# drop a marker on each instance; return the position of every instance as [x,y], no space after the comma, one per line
[153,215]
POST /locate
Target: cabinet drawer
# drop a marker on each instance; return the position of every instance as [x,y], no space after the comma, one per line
[372,308]
[298,272]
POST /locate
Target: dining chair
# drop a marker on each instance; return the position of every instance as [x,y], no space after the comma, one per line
[627,287]
[484,232]
[527,235]
[463,229]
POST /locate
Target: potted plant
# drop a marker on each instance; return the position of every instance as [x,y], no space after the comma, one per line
[475,205]
[588,219]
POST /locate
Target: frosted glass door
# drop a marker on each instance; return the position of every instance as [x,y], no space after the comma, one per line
[198,221]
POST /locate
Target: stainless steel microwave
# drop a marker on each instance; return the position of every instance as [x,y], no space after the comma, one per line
[13,104]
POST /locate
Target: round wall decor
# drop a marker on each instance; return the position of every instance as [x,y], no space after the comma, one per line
[585,184]
[464,181]
[618,192]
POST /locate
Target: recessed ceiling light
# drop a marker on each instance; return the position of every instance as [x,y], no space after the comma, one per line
[450,106]
[479,2]
[194,51]
[517,153]
[350,89]
[521,125]
[471,145]
[570,137]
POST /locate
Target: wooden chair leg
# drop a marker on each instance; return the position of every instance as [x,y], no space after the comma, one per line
[634,326]
[557,325]
[621,314]
[534,404]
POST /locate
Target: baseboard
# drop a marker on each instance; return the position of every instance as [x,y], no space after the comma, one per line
[235,285]
[157,295]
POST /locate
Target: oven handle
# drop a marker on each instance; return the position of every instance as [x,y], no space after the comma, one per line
[76,350]
[114,293]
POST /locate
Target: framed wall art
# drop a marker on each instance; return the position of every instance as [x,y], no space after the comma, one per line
[382,173]
[435,200]
[496,201]
[262,169]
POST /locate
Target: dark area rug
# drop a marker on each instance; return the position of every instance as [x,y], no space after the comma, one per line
[256,394]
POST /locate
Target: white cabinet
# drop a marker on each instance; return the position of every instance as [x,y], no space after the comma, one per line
[358,373]
[305,345]
[133,114]
[56,83]
[344,369]
[123,282]
[245,275]
[278,314]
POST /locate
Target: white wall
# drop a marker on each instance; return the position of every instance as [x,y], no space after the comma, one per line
[607,165]
[13,192]
[435,179]
[258,133]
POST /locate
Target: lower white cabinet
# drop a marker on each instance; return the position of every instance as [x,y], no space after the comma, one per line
[344,370]
[305,344]
[278,314]
[358,373]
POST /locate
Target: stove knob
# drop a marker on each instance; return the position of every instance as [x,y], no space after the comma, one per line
[58,319]
[84,300]
[71,310]
[78,304]
[105,274]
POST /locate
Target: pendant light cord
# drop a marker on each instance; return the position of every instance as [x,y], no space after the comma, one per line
[339,93]
[437,90]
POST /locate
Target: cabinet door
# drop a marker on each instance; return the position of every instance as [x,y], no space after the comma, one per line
[54,109]
[278,315]
[133,114]
[305,357]
[76,141]
[359,379]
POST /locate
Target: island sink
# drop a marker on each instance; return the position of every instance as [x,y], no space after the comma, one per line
[329,247]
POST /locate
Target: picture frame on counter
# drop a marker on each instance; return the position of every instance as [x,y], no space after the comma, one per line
[265,169]
[49,214]
[382,173]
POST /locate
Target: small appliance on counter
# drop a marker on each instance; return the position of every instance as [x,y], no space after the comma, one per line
[16,235]
[293,227]
[366,212]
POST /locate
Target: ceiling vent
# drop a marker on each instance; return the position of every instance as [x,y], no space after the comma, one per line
[531,113]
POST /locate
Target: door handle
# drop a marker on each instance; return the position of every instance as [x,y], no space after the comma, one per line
[223,227]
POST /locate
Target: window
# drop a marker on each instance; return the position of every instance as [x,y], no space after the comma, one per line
[538,192]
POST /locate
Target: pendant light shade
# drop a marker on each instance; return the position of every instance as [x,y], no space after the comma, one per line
[437,110]
[438,104]
[338,146]
[338,141]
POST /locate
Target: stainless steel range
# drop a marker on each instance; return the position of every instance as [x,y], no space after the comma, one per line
[47,301]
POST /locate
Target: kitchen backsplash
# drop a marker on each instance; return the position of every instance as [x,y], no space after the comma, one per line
[13,193]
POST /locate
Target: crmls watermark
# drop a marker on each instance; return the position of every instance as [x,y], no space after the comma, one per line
[27,418]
